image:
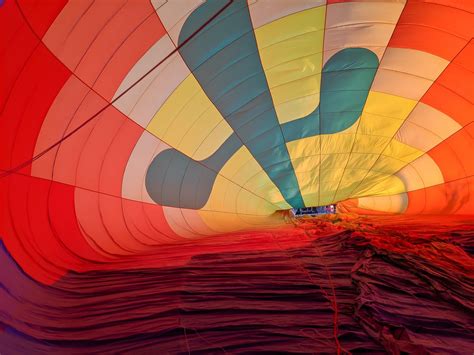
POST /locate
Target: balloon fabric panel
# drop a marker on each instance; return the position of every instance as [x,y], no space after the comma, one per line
[171,140]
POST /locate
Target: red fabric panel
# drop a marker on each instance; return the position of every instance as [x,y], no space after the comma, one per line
[30,86]
[35,90]
[16,40]
[40,14]
[17,229]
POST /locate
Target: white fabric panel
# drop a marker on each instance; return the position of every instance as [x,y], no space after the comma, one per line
[133,185]
[391,204]
[143,101]
[422,172]
[173,14]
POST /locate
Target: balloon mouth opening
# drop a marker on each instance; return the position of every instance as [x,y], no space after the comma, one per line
[313,210]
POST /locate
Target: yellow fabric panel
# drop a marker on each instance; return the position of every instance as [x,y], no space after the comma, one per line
[291,54]
[380,185]
[353,175]
[189,121]
[371,124]
[261,184]
[387,165]
[307,173]
[209,146]
[402,151]
[395,157]
[306,164]
[327,194]
[374,183]
[229,197]
[333,161]
[348,183]
[387,105]
[312,198]
[370,144]
[384,114]
[222,222]
[246,172]
[326,178]
[248,201]
[303,147]
[330,175]
[335,149]
[358,160]
[305,155]
[332,168]
[337,143]
[375,148]
[378,180]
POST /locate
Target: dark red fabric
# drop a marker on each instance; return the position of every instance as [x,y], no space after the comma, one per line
[358,285]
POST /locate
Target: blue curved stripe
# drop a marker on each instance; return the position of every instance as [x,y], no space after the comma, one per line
[225,60]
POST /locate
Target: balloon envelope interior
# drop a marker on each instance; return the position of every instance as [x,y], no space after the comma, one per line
[136,134]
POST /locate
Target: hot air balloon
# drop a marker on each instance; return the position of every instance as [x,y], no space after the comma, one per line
[143,134]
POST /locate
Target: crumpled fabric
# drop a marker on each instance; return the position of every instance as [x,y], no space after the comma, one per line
[338,284]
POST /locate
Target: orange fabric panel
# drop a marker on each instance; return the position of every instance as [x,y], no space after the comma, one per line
[458,79]
[352,206]
[466,5]
[347,205]
[465,58]
[436,29]
[416,201]
[453,91]
[453,156]
[448,102]
[456,197]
